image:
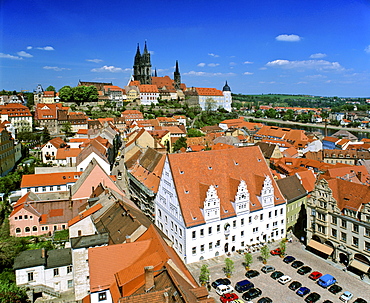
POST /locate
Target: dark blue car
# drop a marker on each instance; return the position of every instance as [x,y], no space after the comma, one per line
[303,291]
[288,259]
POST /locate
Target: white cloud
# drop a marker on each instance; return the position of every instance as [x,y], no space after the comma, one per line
[301,82]
[24,54]
[271,82]
[105,68]
[201,64]
[247,62]
[213,64]
[306,64]
[367,49]
[318,56]
[213,55]
[29,47]
[7,56]
[56,68]
[262,68]
[47,48]
[316,77]
[247,73]
[288,38]
[232,63]
[94,60]
[204,74]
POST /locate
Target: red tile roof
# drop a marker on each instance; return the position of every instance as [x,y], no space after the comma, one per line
[202,91]
[49,179]
[85,214]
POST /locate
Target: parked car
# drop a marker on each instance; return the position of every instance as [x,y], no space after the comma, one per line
[288,259]
[359,300]
[252,273]
[267,269]
[315,275]
[229,297]
[251,294]
[295,285]
[313,297]
[284,279]
[276,275]
[264,300]
[346,296]
[224,289]
[334,289]
[237,301]
[221,281]
[297,264]
[243,285]
[326,280]
[302,291]
[276,251]
[304,270]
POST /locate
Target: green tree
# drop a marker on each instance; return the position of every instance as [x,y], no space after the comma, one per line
[30,100]
[79,94]
[67,129]
[91,93]
[66,94]
[258,113]
[181,142]
[45,135]
[210,105]
[282,246]
[50,88]
[248,260]
[204,274]
[11,293]
[229,267]
[192,132]
[265,253]
[271,113]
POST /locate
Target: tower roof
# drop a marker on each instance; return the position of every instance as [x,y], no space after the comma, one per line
[226,88]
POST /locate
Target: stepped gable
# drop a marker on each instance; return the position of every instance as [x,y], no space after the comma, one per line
[208,167]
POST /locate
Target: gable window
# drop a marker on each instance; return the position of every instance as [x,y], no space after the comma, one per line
[102,296]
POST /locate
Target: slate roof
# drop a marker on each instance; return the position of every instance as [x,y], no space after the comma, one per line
[90,241]
[266,148]
[291,188]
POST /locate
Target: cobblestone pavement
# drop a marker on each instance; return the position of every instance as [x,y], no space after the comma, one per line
[281,293]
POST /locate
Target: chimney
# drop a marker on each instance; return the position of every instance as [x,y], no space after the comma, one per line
[149,278]
[128,239]
[359,175]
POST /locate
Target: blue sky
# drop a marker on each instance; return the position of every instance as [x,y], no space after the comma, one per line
[296,47]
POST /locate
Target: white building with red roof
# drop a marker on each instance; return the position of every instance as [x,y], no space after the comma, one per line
[148,94]
[18,115]
[208,210]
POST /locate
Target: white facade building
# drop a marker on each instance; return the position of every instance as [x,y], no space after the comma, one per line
[207,210]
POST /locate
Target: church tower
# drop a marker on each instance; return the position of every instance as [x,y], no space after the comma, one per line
[142,66]
[177,76]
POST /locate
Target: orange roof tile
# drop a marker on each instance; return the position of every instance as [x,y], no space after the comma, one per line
[202,91]
[49,179]
[85,214]
[56,212]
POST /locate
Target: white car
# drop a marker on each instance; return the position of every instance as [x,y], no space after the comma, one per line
[224,289]
[346,296]
[284,279]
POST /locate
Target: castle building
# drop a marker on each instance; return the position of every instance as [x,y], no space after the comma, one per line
[143,66]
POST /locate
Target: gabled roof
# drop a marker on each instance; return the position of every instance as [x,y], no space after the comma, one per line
[49,179]
[291,188]
[208,168]
[148,88]
[64,153]
[84,214]
[203,91]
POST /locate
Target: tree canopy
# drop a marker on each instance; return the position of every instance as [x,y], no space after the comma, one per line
[78,94]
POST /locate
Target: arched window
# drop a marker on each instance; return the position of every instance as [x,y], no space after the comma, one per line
[27,229]
[34,228]
[18,230]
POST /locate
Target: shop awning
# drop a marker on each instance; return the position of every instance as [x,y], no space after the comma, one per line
[320,247]
[360,266]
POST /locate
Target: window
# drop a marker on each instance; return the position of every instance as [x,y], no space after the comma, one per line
[344,223]
[56,272]
[193,234]
[34,228]
[194,250]
[250,219]
[242,244]
[275,212]
[267,226]
[355,241]
[69,269]
[70,283]
[58,187]
[36,189]
[334,220]
[51,188]
[261,217]
[102,296]
[242,222]
[281,211]
[44,189]
[343,237]
[30,276]
[282,231]
[202,232]
[355,228]
[210,245]
[242,233]
[367,246]
[334,233]
[367,232]
[27,229]
[25,217]
[18,230]
[20,217]
[233,238]
[218,228]
[270,214]
[210,230]
[180,233]
[202,248]
[218,243]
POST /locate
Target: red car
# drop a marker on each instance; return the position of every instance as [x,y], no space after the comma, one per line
[228,297]
[315,275]
[276,251]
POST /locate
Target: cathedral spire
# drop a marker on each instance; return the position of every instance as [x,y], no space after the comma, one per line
[145,49]
[155,72]
[177,76]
